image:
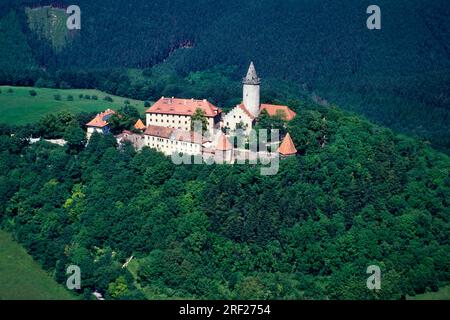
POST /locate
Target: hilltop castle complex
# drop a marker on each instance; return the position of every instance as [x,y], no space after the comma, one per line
[168,127]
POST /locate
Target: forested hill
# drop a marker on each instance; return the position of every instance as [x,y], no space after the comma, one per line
[360,196]
[398,76]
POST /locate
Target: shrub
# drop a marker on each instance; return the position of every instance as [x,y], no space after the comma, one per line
[80,96]
[87,97]
[64,85]
[33,93]
[69,98]
[147,104]
[109,99]
[57,97]
[10,90]
[40,83]
[127,102]
[94,97]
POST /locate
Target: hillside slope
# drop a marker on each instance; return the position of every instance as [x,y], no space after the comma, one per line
[366,196]
[398,76]
[22,278]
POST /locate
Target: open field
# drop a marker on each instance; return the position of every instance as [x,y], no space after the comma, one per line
[19,107]
[21,278]
[442,294]
[49,23]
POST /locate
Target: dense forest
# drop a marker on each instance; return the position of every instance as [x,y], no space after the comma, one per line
[356,195]
[397,76]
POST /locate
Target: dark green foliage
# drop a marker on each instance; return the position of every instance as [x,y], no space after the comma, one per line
[398,76]
[75,138]
[57,97]
[53,126]
[124,119]
[358,195]
[33,93]
[276,122]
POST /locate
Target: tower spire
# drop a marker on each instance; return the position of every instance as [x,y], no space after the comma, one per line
[252,77]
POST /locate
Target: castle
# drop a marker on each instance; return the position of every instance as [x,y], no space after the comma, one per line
[168,127]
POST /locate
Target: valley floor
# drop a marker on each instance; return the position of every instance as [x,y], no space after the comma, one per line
[21,278]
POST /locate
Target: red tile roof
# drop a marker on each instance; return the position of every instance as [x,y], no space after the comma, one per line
[161,132]
[139,125]
[224,144]
[287,147]
[100,119]
[272,111]
[185,107]
[243,108]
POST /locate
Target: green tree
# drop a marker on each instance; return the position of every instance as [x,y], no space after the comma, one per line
[199,116]
[75,138]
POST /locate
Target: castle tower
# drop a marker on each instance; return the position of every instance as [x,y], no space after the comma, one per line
[251,95]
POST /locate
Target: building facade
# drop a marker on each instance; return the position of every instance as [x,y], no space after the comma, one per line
[100,123]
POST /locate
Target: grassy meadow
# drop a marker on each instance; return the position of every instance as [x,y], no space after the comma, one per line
[442,294]
[49,23]
[20,107]
[22,278]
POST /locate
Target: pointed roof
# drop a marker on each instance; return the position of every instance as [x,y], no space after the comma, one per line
[248,113]
[287,147]
[224,144]
[140,125]
[252,77]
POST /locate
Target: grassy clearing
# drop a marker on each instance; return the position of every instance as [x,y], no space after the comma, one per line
[19,107]
[442,294]
[49,23]
[21,278]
